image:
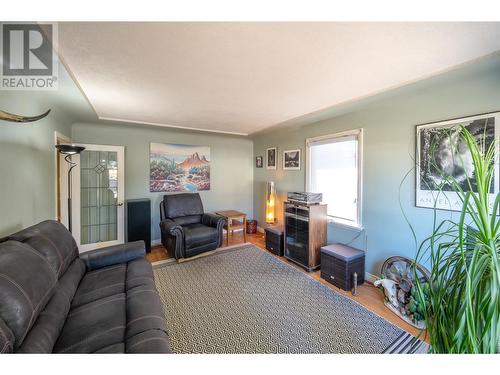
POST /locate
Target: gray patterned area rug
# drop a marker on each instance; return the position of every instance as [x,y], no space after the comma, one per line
[245,300]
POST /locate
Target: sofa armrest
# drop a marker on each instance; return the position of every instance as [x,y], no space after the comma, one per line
[213,220]
[111,255]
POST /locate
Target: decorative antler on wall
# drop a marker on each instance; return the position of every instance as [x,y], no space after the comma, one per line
[6,116]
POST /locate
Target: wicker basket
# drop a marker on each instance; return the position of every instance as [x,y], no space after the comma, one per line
[251,226]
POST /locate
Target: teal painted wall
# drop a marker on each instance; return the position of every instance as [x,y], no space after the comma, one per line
[231,166]
[27,153]
[27,159]
[389,140]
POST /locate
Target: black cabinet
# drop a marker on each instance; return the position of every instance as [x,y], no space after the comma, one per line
[339,263]
[139,221]
[274,240]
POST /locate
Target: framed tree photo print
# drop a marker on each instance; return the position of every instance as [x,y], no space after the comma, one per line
[291,160]
[441,152]
[271,157]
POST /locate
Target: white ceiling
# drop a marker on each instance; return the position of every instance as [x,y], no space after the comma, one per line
[245,77]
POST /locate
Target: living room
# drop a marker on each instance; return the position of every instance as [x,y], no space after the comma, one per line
[250,187]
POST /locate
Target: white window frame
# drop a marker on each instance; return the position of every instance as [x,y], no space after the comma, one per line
[358,133]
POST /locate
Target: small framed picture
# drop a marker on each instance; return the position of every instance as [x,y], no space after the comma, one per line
[271,156]
[259,161]
[291,160]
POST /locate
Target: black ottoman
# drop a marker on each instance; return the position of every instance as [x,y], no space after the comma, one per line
[274,240]
[339,263]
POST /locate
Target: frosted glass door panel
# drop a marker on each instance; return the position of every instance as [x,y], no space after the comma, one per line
[98,196]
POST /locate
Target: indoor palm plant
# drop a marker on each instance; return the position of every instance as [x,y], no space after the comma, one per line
[462,299]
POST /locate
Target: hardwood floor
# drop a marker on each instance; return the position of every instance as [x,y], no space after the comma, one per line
[160,253]
[370,297]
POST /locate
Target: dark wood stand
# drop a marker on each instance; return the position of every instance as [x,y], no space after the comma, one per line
[305,233]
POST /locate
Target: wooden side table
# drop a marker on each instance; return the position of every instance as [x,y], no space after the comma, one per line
[235,220]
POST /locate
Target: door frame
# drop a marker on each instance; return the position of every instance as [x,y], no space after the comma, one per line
[120,212]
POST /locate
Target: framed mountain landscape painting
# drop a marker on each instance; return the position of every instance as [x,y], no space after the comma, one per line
[176,167]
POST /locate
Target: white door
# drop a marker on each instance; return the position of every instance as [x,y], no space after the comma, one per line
[98,195]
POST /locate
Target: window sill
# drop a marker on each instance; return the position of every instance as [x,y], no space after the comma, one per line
[352,227]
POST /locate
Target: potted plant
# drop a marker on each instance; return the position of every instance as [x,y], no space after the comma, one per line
[462,299]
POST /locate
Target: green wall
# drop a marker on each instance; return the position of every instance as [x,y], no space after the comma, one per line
[27,153]
[389,122]
[231,166]
[27,159]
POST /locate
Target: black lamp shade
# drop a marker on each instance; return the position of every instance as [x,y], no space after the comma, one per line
[69,149]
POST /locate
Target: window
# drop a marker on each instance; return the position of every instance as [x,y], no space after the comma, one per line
[334,169]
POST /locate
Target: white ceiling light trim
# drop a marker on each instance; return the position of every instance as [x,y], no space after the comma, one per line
[169,126]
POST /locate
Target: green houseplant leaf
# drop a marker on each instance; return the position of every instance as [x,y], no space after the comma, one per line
[461,303]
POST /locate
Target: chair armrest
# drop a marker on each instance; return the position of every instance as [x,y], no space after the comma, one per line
[172,237]
[213,220]
[171,227]
[111,255]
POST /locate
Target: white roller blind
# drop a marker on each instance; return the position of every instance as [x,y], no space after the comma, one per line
[334,173]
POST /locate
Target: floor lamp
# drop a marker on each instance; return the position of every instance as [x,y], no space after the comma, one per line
[69,150]
[270,203]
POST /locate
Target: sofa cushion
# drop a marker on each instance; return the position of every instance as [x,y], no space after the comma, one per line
[111,305]
[184,204]
[144,311]
[152,341]
[139,272]
[6,338]
[94,326]
[112,349]
[44,333]
[103,282]
[27,282]
[53,241]
[112,280]
[198,234]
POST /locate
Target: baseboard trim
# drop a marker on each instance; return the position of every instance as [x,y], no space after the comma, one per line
[260,229]
[370,277]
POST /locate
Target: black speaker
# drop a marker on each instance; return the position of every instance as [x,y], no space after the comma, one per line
[139,221]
